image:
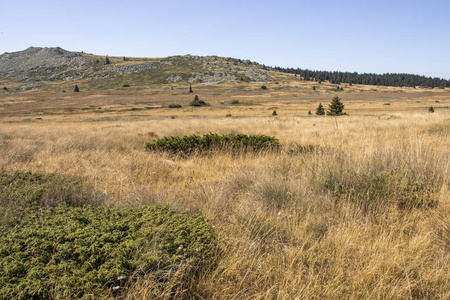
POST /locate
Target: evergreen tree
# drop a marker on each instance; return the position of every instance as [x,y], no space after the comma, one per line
[309,113]
[190,89]
[76,89]
[314,87]
[107,61]
[320,110]
[274,113]
[336,107]
[431,109]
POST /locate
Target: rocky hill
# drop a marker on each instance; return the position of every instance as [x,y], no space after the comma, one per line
[56,64]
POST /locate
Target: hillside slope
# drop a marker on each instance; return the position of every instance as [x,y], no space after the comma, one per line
[54,64]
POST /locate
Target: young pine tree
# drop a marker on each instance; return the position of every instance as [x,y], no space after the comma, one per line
[76,89]
[190,89]
[320,111]
[336,107]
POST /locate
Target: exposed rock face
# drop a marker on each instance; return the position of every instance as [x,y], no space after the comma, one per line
[211,77]
[134,68]
[30,62]
[174,78]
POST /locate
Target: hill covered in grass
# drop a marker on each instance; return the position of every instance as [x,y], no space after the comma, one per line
[37,64]
[56,64]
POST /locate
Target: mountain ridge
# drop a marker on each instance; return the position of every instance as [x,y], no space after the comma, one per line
[51,64]
[36,64]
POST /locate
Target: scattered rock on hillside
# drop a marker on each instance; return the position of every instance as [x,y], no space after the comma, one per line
[39,63]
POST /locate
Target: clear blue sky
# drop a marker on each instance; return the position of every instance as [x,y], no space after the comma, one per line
[397,36]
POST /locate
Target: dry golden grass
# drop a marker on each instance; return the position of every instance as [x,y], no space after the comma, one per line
[282,234]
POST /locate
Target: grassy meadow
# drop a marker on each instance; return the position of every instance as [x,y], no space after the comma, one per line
[350,207]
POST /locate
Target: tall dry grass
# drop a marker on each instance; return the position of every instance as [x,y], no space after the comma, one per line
[284,231]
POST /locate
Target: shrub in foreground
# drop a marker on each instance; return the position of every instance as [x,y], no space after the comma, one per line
[85,252]
[377,191]
[20,190]
[200,144]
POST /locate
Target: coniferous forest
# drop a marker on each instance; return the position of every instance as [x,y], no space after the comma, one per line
[387,79]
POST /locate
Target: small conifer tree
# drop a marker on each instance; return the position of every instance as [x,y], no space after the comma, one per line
[107,61]
[309,113]
[320,111]
[76,89]
[274,113]
[314,87]
[431,109]
[336,107]
[190,90]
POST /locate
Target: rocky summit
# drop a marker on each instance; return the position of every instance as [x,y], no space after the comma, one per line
[39,63]
[56,64]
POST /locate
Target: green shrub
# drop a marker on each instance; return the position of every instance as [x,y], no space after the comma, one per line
[191,144]
[377,191]
[86,252]
[198,102]
[302,149]
[174,106]
[20,190]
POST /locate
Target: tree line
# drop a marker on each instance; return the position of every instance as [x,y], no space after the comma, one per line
[387,79]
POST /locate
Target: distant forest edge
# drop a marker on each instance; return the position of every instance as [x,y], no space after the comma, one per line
[387,79]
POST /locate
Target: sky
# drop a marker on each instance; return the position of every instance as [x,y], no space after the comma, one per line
[364,36]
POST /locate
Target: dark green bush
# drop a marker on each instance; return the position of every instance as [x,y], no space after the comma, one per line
[198,102]
[174,106]
[191,144]
[85,252]
[20,190]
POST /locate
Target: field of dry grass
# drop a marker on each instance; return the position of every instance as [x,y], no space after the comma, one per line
[301,223]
